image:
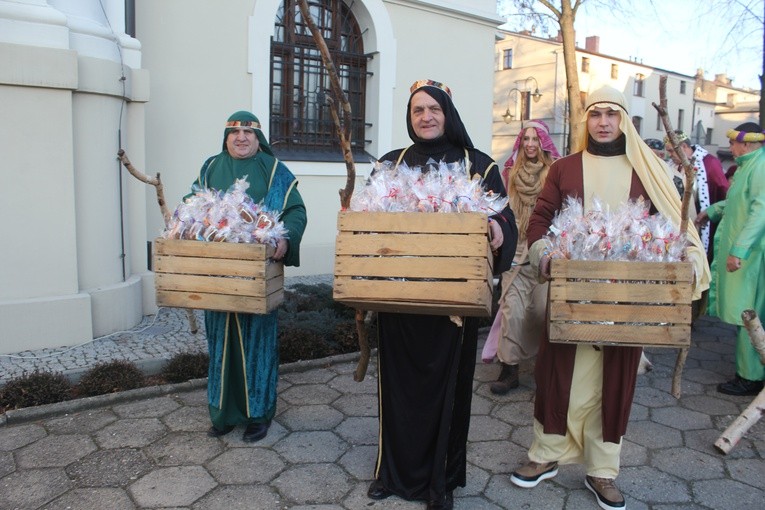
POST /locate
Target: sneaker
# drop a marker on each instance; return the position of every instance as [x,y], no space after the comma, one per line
[530,474]
[740,387]
[608,495]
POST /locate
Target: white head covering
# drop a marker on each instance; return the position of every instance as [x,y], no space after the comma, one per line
[650,170]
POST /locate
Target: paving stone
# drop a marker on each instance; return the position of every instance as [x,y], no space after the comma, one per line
[652,398]
[313,483]
[93,499]
[748,471]
[308,377]
[688,464]
[481,406]
[130,433]
[32,488]
[313,446]
[359,430]
[54,451]
[345,384]
[193,398]
[173,486]
[12,438]
[359,461]
[496,456]
[149,408]
[249,497]
[239,466]
[7,464]
[311,417]
[486,428]
[188,419]
[515,413]
[308,394]
[646,483]
[633,454]
[357,405]
[476,481]
[109,468]
[80,422]
[726,494]
[178,449]
[681,419]
[653,435]
[710,405]
[503,493]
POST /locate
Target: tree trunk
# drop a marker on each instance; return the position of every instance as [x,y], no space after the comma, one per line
[343,130]
[756,333]
[576,111]
[741,425]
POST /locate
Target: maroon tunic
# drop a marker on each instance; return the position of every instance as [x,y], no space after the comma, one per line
[555,362]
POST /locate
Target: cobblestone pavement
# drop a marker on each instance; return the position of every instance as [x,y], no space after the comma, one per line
[148,449]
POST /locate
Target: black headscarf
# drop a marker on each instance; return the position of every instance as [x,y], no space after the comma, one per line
[454,130]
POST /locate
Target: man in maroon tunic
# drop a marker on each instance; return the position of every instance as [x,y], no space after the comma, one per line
[584,392]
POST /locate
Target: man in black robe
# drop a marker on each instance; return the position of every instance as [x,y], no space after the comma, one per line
[426,362]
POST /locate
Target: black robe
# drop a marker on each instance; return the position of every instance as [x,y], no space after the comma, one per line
[426,365]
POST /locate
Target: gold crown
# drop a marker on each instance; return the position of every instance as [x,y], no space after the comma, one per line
[429,83]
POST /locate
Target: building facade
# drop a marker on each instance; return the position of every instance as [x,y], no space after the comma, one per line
[81,79]
[530,82]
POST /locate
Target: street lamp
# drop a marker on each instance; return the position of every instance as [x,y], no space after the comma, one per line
[536,94]
[508,117]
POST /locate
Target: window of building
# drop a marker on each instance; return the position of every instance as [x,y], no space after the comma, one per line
[301,120]
[585,65]
[614,71]
[708,137]
[507,59]
[637,122]
[637,88]
[680,118]
[682,86]
[658,122]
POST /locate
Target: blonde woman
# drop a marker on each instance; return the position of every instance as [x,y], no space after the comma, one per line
[514,336]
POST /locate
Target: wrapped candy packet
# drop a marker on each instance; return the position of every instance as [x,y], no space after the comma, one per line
[628,233]
[437,187]
[231,216]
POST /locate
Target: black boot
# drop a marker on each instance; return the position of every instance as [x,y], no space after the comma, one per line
[508,379]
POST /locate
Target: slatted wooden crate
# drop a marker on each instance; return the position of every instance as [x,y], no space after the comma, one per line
[425,263]
[620,303]
[228,277]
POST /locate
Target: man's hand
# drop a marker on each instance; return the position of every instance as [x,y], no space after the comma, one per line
[544,267]
[281,249]
[496,235]
[733,264]
[701,219]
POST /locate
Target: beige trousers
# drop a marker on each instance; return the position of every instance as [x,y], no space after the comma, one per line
[522,307]
[583,442]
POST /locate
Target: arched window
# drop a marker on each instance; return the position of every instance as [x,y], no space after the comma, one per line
[301,121]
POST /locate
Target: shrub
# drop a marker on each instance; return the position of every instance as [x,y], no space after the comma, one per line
[110,377]
[35,389]
[186,366]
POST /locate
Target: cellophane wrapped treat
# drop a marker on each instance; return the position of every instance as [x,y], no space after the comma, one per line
[437,187]
[628,233]
[231,216]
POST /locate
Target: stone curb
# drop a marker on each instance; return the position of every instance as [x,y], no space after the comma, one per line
[27,414]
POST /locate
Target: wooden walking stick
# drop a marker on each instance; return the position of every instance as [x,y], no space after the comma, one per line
[756,409]
[166,215]
[344,134]
[690,176]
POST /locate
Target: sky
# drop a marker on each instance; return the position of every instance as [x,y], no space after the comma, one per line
[681,35]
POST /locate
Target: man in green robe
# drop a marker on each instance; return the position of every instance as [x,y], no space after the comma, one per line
[738,267]
[244,352]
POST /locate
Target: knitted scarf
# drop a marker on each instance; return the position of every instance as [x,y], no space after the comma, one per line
[524,184]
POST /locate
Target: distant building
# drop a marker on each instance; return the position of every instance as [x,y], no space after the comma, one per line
[530,82]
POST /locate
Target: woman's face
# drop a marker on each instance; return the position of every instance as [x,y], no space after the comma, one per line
[530,144]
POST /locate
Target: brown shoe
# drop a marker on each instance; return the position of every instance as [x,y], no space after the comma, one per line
[508,379]
[608,495]
[530,474]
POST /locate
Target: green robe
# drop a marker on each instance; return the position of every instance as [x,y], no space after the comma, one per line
[741,233]
[244,351]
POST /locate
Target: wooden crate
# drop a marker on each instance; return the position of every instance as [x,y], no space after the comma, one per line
[425,263]
[228,277]
[620,303]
